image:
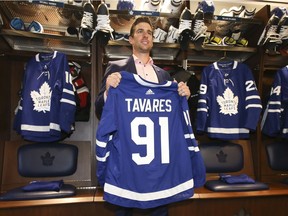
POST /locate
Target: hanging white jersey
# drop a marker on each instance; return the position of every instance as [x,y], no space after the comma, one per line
[275,118]
[146,152]
[229,105]
[47,105]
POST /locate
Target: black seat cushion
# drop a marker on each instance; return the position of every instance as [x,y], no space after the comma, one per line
[19,194]
[222,157]
[220,186]
[277,156]
[47,160]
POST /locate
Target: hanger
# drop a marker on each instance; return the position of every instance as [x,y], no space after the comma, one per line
[225,58]
[50,48]
[184,64]
[185,67]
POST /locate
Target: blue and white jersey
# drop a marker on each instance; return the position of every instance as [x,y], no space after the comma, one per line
[47,105]
[275,118]
[229,104]
[146,152]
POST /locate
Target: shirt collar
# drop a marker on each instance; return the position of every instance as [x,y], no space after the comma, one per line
[138,61]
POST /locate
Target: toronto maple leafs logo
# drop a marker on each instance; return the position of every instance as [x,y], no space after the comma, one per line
[222,157]
[228,103]
[47,159]
[42,99]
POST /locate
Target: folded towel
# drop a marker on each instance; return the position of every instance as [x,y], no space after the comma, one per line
[236,179]
[43,186]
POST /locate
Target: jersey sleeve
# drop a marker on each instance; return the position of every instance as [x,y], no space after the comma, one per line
[270,124]
[197,162]
[202,107]
[18,116]
[253,105]
[105,131]
[19,109]
[67,100]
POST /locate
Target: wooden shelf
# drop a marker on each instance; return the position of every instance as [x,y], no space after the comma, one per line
[43,42]
[171,52]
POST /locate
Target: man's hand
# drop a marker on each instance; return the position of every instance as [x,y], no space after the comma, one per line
[112,80]
[183,90]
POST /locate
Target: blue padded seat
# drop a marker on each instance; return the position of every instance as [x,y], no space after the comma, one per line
[226,157]
[45,160]
[277,157]
[48,160]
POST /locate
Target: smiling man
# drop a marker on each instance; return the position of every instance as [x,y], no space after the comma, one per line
[140,62]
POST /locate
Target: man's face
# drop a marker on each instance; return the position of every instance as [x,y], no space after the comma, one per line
[142,40]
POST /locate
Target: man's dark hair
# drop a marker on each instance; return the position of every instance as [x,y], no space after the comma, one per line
[140,20]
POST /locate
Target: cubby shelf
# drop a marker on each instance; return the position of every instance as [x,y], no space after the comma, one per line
[43,42]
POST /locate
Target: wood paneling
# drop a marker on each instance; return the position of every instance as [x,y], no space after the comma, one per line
[256,206]
[84,206]
[5,83]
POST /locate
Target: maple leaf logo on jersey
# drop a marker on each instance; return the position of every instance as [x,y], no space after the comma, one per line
[42,99]
[228,103]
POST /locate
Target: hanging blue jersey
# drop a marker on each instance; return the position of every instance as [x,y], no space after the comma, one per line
[275,118]
[229,104]
[146,152]
[47,105]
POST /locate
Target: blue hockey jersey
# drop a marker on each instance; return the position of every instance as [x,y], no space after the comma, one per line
[275,118]
[146,152]
[47,106]
[229,105]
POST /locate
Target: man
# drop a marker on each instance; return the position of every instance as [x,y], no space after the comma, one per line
[141,39]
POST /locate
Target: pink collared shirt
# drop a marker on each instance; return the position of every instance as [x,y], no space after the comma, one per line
[146,70]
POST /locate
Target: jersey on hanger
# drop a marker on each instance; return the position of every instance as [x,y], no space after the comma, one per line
[275,118]
[229,105]
[47,105]
[146,152]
